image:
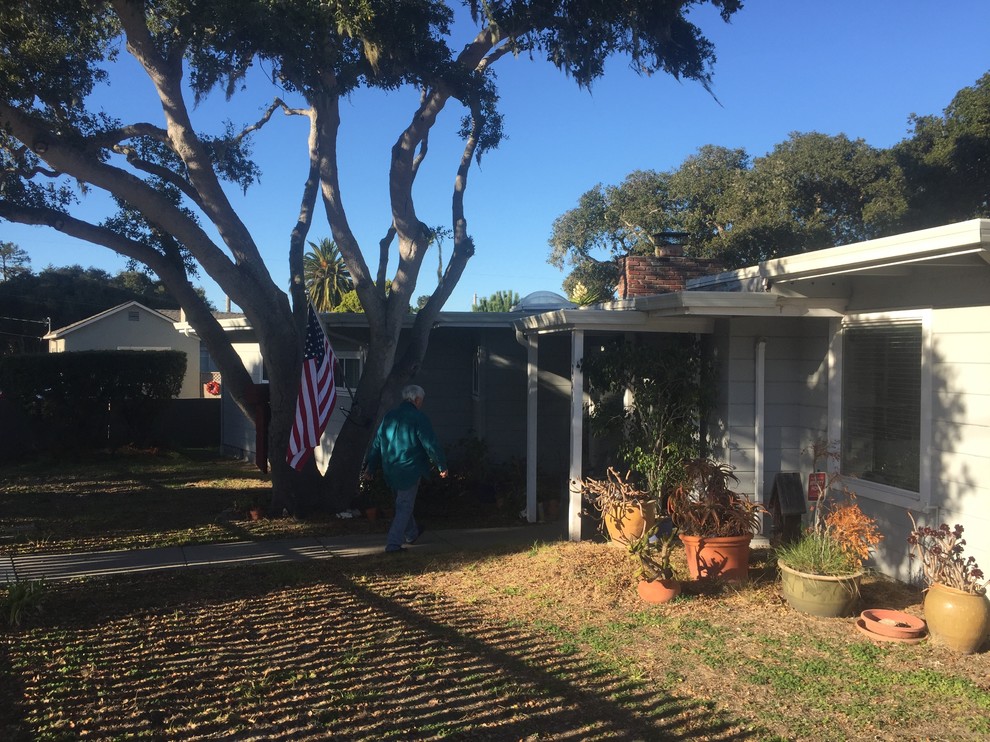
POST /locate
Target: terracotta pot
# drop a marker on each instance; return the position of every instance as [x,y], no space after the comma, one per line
[371,514]
[658,591]
[820,595]
[629,523]
[256,513]
[957,619]
[719,557]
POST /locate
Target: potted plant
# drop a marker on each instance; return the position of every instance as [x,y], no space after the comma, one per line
[716,524]
[256,510]
[375,498]
[821,571]
[627,511]
[652,551]
[956,606]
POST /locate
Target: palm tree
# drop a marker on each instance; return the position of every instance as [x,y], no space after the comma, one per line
[327,278]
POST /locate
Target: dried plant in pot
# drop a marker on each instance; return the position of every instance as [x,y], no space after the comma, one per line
[821,571]
[715,522]
[956,606]
[652,551]
[627,510]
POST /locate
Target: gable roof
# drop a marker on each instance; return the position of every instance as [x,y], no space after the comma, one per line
[126,306]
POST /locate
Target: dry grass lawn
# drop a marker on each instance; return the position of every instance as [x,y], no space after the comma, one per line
[547,643]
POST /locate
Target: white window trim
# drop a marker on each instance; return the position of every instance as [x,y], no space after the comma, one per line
[922,499]
[350,355]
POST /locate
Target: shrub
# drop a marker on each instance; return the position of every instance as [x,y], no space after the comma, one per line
[70,399]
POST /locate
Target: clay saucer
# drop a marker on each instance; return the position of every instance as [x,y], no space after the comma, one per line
[893,624]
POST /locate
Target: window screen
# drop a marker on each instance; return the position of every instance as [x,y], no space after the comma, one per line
[881,403]
[351,368]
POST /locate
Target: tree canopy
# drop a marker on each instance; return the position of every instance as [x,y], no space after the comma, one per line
[168,174]
[500,301]
[326,275]
[13,261]
[809,192]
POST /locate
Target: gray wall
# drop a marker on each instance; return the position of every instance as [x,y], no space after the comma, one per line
[796,395]
[496,415]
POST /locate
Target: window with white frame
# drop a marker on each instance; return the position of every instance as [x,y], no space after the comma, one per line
[883,373]
[350,366]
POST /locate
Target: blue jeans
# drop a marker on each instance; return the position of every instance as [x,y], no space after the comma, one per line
[404,528]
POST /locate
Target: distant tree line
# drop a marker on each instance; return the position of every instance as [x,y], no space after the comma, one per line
[500,301]
[809,192]
[63,295]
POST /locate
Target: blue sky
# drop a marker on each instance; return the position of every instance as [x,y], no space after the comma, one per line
[859,68]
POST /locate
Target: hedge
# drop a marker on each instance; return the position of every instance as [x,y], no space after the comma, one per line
[88,398]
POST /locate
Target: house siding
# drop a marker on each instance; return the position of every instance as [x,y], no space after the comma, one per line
[795,395]
[497,415]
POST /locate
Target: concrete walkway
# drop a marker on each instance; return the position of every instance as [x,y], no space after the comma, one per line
[89,564]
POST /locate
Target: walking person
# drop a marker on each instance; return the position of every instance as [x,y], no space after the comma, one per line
[403,449]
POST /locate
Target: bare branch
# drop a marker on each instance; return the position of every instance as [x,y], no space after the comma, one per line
[164,173]
[265,118]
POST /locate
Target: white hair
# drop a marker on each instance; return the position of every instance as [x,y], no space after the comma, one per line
[412,392]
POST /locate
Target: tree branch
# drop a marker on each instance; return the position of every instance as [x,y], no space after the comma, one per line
[172,275]
[326,105]
[297,239]
[166,75]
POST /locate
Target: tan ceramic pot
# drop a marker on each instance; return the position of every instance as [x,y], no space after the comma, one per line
[625,525]
[957,619]
[819,595]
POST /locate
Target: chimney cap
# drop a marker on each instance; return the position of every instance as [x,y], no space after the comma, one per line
[669,244]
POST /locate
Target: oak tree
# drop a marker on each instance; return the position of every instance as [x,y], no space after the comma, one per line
[168,176]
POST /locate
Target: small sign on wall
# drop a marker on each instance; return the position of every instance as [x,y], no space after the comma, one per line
[816,486]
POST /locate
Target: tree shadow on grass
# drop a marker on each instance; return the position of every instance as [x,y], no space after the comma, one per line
[314,652]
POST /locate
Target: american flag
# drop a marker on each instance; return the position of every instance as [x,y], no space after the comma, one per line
[317,394]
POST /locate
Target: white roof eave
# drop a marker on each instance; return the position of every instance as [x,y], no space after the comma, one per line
[952,240]
[681,311]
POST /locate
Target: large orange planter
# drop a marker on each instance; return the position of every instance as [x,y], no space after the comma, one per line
[629,523]
[720,557]
[957,619]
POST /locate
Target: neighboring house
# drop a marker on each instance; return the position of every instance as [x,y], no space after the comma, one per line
[882,347]
[132,326]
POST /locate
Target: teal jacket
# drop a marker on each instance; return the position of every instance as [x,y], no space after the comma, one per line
[404,447]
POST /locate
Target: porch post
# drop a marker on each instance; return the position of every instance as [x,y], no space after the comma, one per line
[532,389]
[577,422]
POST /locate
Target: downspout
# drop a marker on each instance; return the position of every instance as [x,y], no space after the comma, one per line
[759,420]
[577,434]
[532,389]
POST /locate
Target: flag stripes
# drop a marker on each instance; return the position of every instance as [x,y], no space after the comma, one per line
[317,394]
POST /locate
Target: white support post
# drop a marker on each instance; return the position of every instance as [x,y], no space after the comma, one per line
[532,391]
[577,430]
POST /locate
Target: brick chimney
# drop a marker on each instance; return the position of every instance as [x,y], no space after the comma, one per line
[665,272]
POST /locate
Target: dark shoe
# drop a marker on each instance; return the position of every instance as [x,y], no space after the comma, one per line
[394,549]
[418,536]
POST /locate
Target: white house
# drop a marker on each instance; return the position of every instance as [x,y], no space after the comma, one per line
[131,326]
[882,347]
